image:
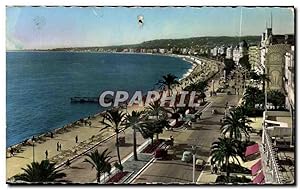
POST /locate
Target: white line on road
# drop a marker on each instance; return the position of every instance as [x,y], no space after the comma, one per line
[133,179]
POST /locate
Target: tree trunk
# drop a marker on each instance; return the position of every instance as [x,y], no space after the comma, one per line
[118,148]
[98,177]
[227,169]
[134,145]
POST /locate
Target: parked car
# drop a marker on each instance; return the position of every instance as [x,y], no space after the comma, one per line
[160,153]
[200,164]
[187,156]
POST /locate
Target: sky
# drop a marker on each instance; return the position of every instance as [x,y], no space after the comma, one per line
[45,27]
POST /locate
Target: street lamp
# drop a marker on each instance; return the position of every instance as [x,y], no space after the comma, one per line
[213,86]
[33,139]
[194,161]
[226,105]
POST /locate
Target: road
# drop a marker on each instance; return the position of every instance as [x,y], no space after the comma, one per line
[202,134]
[82,172]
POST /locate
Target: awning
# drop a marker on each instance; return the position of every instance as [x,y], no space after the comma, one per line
[256,167]
[259,179]
[253,149]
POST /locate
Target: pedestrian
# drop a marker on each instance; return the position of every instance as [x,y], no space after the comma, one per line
[57,146]
[11,152]
[190,124]
[46,154]
[212,168]
[51,134]
[172,138]
[60,147]
[76,139]
[215,169]
[68,163]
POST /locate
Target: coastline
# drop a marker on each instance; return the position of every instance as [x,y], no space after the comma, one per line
[88,135]
[42,135]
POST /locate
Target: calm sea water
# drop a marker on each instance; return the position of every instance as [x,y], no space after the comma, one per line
[40,84]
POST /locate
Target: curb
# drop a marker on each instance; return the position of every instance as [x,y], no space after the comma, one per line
[140,171]
[85,151]
[128,157]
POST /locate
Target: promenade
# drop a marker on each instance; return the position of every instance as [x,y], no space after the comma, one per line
[88,137]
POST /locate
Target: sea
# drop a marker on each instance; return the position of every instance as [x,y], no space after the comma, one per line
[39,85]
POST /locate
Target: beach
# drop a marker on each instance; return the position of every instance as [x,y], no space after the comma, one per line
[88,133]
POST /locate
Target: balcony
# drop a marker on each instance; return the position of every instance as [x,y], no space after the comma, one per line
[278,152]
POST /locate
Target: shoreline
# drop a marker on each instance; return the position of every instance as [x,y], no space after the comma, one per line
[70,124]
[88,134]
[41,136]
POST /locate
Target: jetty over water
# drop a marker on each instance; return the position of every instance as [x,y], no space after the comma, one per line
[89,99]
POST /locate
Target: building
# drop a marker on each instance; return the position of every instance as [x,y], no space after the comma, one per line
[184,50]
[254,59]
[289,85]
[229,53]
[274,63]
[236,54]
[221,50]
[214,51]
[162,51]
[239,51]
[277,61]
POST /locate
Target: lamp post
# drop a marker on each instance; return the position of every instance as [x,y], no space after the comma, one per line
[213,86]
[194,161]
[33,139]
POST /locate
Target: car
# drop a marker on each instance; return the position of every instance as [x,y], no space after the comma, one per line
[200,164]
[160,153]
[187,156]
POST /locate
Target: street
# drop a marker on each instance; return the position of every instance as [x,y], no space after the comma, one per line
[202,134]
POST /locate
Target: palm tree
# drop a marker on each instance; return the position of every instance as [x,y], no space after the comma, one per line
[40,172]
[236,124]
[222,150]
[253,96]
[200,87]
[147,130]
[277,98]
[135,121]
[99,161]
[115,119]
[160,125]
[168,81]
[154,109]
[264,78]
[107,168]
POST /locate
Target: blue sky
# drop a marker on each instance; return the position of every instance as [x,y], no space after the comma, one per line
[41,27]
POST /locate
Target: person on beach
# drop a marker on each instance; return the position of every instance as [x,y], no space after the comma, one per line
[51,135]
[60,147]
[11,152]
[57,146]
[46,154]
[76,139]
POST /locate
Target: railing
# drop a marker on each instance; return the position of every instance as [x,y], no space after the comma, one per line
[269,160]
